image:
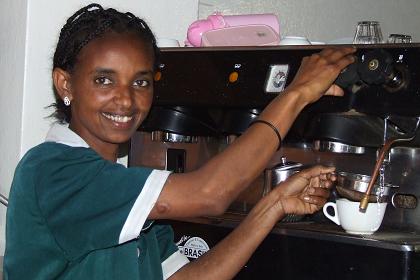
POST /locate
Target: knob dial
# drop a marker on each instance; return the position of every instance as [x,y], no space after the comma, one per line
[376,67]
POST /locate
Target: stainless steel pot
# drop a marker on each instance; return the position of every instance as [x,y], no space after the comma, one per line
[279,173]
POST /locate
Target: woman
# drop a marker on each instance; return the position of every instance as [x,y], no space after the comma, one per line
[76,213]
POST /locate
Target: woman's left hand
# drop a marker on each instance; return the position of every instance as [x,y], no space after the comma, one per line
[306,191]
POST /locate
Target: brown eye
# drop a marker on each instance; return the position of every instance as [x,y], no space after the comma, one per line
[103,81]
[141,83]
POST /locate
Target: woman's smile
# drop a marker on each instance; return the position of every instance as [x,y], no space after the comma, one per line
[120,121]
[117,118]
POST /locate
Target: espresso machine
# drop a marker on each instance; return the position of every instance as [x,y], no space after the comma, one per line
[206,97]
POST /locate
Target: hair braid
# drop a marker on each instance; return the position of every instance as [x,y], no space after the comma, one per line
[88,23]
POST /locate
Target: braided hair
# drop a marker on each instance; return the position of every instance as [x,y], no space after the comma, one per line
[88,23]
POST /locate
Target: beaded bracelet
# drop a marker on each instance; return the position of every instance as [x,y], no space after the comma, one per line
[272,127]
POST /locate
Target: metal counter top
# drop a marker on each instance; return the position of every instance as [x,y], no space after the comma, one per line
[385,238]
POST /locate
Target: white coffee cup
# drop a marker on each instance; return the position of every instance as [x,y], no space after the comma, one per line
[294,40]
[353,220]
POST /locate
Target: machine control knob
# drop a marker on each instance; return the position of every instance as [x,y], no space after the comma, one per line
[348,76]
[376,67]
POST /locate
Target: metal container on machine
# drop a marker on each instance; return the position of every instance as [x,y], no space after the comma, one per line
[279,173]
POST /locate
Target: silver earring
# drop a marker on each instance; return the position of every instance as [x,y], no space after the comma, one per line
[66,101]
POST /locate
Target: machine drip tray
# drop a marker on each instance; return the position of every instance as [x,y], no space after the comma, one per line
[385,237]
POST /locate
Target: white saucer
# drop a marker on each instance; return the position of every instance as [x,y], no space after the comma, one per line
[341,41]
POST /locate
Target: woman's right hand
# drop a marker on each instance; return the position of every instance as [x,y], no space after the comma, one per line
[318,71]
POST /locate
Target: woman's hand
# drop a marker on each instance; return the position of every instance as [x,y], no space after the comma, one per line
[306,191]
[318,71]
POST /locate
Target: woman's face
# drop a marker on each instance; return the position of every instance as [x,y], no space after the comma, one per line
[111,89]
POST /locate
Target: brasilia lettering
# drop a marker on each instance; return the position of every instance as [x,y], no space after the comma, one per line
[193,253]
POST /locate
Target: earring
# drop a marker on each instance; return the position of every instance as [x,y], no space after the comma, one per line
[66,101]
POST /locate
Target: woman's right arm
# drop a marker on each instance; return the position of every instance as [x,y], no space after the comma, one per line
[210,189]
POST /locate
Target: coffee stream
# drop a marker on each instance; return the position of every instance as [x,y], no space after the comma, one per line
[380,191]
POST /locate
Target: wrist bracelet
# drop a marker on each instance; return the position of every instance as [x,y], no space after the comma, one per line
[272,127]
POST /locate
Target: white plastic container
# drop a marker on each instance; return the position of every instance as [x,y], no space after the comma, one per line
[218,21]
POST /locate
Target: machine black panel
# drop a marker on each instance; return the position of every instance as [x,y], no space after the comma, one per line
[200,78]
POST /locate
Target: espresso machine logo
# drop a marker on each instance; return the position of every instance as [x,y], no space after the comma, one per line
[193,247]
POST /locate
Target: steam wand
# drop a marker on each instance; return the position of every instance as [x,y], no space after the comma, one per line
[384,150]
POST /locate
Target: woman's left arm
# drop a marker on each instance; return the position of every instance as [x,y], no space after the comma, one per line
[303,193]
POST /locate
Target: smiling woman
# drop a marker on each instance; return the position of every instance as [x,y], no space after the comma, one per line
[82,205]
[76,213]
[110,90]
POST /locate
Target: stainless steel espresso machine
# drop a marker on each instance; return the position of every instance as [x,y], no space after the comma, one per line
[206,97]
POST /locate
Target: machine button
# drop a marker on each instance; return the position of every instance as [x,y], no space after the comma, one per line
[158,76]
[233,77]
[276,78]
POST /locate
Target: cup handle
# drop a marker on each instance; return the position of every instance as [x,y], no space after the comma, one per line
[334,217]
